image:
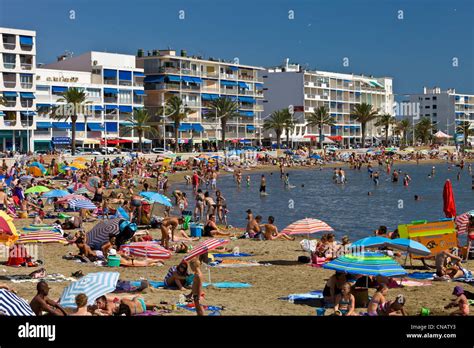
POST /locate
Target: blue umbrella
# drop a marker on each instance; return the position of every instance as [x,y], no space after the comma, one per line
[94,285]
[156,197]
[55,193]
[82,204]
[315,157]
[13,305]
[367,263]
[371,242]
[410,246]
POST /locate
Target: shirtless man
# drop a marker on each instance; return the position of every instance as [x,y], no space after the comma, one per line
[253,227]
[167,224]
[263,185]
[42,303]
[271,231]
[196,291]
[442,259]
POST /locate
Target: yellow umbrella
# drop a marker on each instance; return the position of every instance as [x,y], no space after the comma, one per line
[8,232]
[80,159]
[78,165]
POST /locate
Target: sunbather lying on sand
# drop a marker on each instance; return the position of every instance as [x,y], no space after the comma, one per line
[129,261]
[271,231]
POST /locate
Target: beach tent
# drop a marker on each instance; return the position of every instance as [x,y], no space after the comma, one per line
[94,285]
[13,305]
[149,250]
[367,263]
[441,135]
[307,226]
[8,232]
[35,171]
[100,232]
[39,166]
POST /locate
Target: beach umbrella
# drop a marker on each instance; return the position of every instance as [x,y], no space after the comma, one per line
[81,190]
[78,165]
[181,163]
[367,263]
[462,222]
[315,157]
[156,197]
[82,204]
[13,305]
[69,168]
[8,232]
[150,250]
[38,165]
[55,194]
[80,159]
[37,189]
[42,237]
[92,183]
[94,285]
[204,247]
[408,245]
[306,226]
[26,178]
[449,204]
[101,231]
[70,197]
[35,171]
[371,242]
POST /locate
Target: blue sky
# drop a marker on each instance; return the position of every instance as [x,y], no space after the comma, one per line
[416,51]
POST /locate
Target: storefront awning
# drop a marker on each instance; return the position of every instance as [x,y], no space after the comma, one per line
[247,100]
[138,92]
[110,91]
[59,89]
[110,73]
[228,83]
[111,127]
[125,108]
[154,79]
[138,74]
[125,75]
[26,40]
[10,94]
[244,85]
[205,96]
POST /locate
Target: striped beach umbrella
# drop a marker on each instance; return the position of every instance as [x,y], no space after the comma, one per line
[92,183]
[82,204]
[101,231]
[149,250]
[367,263]
[55,194]
[156,197]
[371,242]
[307,226]
[13,305]
[204,247]
[81,190]
[41,237]
[94,285]
[462,222]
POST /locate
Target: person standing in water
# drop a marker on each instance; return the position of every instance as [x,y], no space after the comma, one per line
[263,185]
[287,180]
[406,180]
[375,176]
[248,180]
[395,176]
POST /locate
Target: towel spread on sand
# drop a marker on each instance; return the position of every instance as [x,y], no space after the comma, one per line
[232,255]
[312,295]
[50,278]
[190,307]
[410,283]
[421,275]
[219,285]
[232,263]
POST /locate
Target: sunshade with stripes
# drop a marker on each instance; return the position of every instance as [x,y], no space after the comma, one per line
[204,247]
[13,305]
[100,232]
[41,237]
[307,226]
[367,263]
[94,285]
[150,250]
[71,197]
[92,183]
[82,204]
[462,222]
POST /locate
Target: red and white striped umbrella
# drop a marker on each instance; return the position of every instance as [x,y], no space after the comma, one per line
[67,198]
[42,237]
[150,250]
[462,221]
[306,226]
[204,247]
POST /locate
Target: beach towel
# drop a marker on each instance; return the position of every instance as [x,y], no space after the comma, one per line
[235,263]
[50,278]
[421,275]
[190,307]
[228,285]
[153,283]
[312,295]
[232,255]
[410,283]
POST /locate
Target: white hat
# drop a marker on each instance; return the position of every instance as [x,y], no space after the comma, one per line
[112,252]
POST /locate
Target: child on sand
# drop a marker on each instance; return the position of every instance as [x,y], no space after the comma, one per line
[345,302]
[460,301]
[196,292]
[81,303]
[377,300]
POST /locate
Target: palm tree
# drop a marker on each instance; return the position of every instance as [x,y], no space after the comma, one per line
[320,118]
[402,127]
[177,112]
[465,128]
[385,121]
[364,113]
[424,129]
[289,125]
[277,121]
[74,100]
[224,109]
[140,124]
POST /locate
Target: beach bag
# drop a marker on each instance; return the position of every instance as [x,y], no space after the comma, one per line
[303,259]
[308,245]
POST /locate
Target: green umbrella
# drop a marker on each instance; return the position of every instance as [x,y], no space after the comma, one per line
[37,189]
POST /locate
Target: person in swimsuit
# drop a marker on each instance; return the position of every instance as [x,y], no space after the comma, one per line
[81,303]
[42,303]
[378,300]
[199,209]
[211,205]
[196,291]
[271,231]
[263,185]
[393,307]
[169,224]
[345,302]
[461,301]
[99,193]
[176,276]
[333,287]
[134,306]
[221,206]
[211,229]
[470,235]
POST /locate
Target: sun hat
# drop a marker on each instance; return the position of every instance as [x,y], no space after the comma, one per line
[112,252]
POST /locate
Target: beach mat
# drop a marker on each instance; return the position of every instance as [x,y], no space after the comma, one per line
[154,284]
[50,278]
[312,295]
[231,255]
[421,275]
[219,285]
[190,307]
[234,263]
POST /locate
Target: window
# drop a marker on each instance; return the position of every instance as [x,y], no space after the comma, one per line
[9,60]
[435,114]
[434,98]
[26,80]
[125,97]
[42,88]
[93,92]
[427,98]
[435,106]
[427,107]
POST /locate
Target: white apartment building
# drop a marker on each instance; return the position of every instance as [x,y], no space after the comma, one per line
[114,87]
[198,81]
[306,90]
[445,108]
[17,87]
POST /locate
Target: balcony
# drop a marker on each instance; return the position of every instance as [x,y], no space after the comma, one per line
[125,82]
[191,87]
[193,103]
[9,84]
[42,133]
[111,100]
[210,89]
[9,65]
[246,92]
[228,76]
[246,77]
[168,70]
[110,117]
[11,103]
[232,91]
[26,123]
[212,74]
[110,81]
[169,86]
[185,71]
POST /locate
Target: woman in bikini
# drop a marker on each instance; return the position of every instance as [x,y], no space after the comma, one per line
[345,302]
[176,276]
[378,300]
